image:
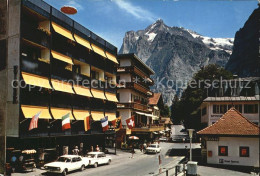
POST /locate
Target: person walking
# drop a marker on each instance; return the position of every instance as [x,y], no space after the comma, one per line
[75,151]
[133,151]
[97,149]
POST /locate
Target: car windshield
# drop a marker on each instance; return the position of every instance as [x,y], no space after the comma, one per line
[152,146]
[63,159]
[91,155]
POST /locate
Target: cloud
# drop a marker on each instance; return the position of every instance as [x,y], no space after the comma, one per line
[136,11]
[74,3]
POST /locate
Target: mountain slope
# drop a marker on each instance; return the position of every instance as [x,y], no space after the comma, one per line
[175,54]
[245,59]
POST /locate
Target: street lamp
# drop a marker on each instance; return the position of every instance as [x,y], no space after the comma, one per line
[190,135]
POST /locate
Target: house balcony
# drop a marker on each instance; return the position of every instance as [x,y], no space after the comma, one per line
[135,106]
[149,128]
[137,71]
[137,87]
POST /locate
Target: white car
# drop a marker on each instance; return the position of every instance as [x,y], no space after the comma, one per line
[153,148]
[98,158]
[66,163]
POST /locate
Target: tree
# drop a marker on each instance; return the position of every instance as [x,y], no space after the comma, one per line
[187,108]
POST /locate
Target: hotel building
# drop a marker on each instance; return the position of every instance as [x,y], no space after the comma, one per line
[134,93]
[241,93]
[51,64]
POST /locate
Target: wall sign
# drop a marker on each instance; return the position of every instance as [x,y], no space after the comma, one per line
[223,161]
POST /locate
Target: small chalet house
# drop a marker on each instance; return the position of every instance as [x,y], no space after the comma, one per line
[232,140]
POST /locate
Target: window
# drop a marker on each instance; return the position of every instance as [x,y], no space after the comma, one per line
[244,151]
[204,111]
[222,151]
[2,54]
[238,107]
[219,109]
[251,108]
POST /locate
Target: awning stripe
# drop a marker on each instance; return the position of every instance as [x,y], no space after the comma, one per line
[58,113]
[97,115]
[80,90]
[36,80]
[111,57]
[111,97]
[66,33]
[111,116]
[98,50]
[80,114]
[62,86]
[30,111]
[98,94]
[62,57]
[82,41]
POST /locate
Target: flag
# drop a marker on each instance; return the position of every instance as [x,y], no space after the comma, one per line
[34,121]
[130,122]
[118,124]
[104,123]
[113,122]
[66,122]
[87,123]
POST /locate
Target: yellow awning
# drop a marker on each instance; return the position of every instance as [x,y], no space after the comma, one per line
[80,90]
[111,57]
[98,50]
[62,86]
[111,116]
[98,94]
[111,97]
[80,114]
[82,41]
[66,33]
[30,111]
[36,80]
[58,113]
[97,115]
[61,57]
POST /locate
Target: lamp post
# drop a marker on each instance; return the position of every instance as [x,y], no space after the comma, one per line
[190,135]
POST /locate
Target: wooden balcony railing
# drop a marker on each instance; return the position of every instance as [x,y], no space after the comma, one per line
[149,128]
[135,106]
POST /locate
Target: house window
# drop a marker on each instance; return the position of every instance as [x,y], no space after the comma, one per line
[244,151]
[251,108]
[222,150]
[204,111]
[238,107]
[219,109]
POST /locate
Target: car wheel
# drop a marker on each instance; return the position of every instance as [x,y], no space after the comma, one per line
[82,167]
[95,165]
[109,162]
[64,173]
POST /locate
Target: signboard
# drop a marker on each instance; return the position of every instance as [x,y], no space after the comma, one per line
[224,161]
[212,139]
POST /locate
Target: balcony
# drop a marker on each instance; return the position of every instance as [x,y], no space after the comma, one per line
[149,128]
[135,106]
[137,87]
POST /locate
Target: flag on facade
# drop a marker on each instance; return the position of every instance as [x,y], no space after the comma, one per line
[87,123]
[130,122]
[113,122]
[66,122]
[34,121]
[104,123]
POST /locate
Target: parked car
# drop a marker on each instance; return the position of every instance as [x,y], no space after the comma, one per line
[153,148]
[98,158]
[66,163]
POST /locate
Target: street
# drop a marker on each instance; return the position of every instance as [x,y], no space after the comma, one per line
[123,165]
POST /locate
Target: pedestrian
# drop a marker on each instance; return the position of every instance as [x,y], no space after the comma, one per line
[97,149]
[133,151]
[92,148]
[75,151]
[141,147]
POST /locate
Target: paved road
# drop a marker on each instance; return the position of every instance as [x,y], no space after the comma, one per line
[123,165]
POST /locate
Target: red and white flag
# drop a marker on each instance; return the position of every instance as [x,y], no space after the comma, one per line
[34,121]
[104,123]
[130,122]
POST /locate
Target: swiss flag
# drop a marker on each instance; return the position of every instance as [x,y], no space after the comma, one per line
[130,122]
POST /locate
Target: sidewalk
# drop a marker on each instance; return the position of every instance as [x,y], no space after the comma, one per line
[212,171]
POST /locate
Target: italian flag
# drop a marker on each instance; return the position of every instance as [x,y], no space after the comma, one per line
[66,122]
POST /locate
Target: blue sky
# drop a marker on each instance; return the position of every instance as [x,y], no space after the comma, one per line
[110,19]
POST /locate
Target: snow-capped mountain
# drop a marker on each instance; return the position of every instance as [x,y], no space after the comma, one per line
[175,53]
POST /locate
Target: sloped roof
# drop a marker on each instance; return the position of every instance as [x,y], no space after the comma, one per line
[154,99]
[232,123]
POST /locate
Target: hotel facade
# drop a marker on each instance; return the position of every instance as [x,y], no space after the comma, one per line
[51,64]
[133,96]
